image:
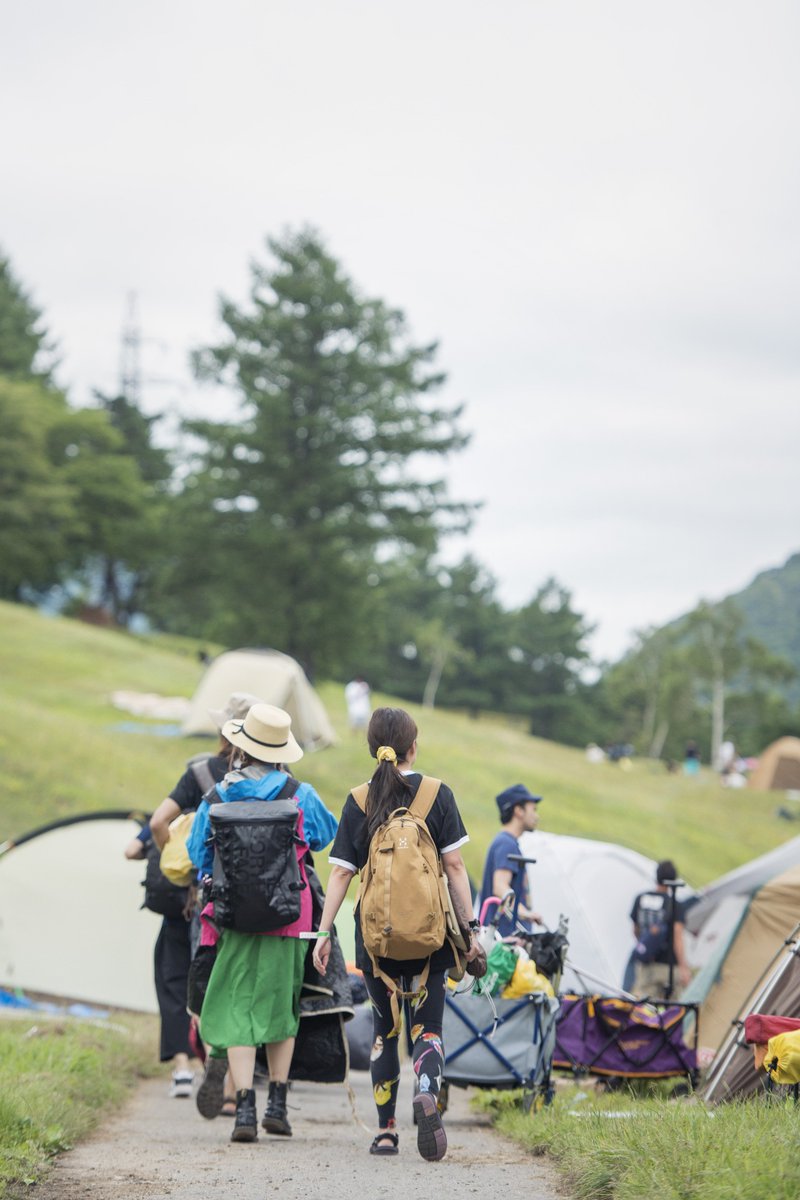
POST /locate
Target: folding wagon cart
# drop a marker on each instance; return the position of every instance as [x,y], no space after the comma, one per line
[501,1044]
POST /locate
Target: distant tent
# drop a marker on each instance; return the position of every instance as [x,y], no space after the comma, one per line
[71,922]
[778,767]
[276,679]
[776,991]
[766,919]
[594,884]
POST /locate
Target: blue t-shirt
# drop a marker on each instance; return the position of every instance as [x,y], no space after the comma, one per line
[497,860]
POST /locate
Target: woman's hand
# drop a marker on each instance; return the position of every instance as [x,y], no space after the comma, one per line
[322,952]
[474,946]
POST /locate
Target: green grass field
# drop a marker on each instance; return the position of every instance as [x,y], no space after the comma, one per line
[62,753]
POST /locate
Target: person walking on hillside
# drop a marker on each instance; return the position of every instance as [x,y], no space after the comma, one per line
[395,783]
[253,994]
[357,699]
[519,813]
[173,948]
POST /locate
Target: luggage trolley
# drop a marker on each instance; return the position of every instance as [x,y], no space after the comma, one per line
[496,1043]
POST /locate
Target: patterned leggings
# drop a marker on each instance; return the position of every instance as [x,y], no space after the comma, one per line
[427,1056]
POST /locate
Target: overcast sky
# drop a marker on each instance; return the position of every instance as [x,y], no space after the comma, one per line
[593,206]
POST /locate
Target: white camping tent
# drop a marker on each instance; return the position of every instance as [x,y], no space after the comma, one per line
[594,884]
[70,918]
[276,679]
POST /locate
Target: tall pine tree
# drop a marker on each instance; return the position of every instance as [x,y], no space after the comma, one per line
[22,339]
[290,505]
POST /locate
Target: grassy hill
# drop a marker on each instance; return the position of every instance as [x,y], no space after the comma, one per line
[63,752]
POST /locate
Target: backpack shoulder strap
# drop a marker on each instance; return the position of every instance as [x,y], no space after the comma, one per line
[422,803]
[202,772]
[289,789]
[359,794]
[427,792]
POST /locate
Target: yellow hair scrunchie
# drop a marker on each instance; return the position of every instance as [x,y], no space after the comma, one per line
[386,754]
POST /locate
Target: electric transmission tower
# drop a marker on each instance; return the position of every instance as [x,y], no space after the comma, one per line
[130,377]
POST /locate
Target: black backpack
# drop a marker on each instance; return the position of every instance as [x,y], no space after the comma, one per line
[653,914]
[161,896]
[256,880]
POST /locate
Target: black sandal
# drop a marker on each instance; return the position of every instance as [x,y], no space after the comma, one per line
[385,1136]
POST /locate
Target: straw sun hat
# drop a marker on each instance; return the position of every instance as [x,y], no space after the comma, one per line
[266,734]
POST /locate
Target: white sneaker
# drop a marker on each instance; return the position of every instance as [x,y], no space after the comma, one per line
[181,1086]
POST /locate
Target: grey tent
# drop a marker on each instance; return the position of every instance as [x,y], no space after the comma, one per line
[717,914]
[276,679]
[743,881]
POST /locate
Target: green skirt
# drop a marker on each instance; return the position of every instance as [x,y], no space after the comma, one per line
[253,994]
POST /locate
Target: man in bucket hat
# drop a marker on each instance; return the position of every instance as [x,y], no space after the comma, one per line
[519,814]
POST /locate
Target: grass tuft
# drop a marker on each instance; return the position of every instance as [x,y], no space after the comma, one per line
[56,1079]
[667,1150]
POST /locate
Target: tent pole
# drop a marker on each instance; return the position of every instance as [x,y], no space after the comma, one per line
[608,987]
[755,999]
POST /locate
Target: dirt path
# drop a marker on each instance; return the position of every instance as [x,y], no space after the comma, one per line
[160,1148]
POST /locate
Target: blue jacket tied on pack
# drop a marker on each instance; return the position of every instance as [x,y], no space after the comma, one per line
[319,825]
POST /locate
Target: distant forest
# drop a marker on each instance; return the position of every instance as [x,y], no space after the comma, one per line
[312,522]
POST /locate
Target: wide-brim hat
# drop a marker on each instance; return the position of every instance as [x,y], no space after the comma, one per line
[265,734]
[237,706]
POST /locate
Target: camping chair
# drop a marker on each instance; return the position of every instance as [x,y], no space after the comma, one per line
[776,1049]
[609,1036]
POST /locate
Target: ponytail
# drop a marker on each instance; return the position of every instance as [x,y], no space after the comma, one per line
[390,736]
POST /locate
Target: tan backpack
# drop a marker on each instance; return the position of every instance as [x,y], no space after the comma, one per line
[404,899]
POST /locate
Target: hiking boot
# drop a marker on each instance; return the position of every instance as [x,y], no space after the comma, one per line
[211,1093]
[181,1086]
[245,1127]
[275,1119]
[431,1137]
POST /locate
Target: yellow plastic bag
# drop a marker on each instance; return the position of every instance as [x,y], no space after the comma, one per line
[782,1059]
[526,978]
[175,862]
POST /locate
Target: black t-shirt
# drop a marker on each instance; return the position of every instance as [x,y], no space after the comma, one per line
[651,910]
[188,793]
[350,849]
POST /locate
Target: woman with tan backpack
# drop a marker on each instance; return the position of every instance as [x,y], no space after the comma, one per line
[403,832]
